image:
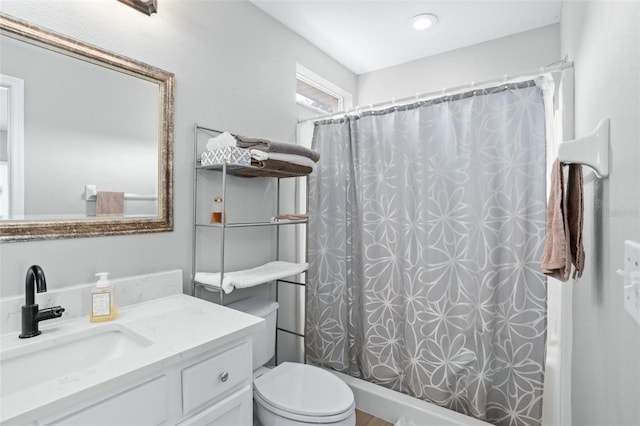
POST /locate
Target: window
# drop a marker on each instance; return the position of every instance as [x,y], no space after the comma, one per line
[319,94]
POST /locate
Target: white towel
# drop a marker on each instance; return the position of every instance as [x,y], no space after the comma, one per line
[300,160]
[251,277]
[259,155]
[221,141]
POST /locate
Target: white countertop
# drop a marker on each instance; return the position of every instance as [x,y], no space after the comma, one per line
[178,326]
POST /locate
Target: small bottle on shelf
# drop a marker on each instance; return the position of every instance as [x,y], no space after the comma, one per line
[216,210]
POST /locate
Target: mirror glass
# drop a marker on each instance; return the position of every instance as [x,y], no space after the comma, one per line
[85,138]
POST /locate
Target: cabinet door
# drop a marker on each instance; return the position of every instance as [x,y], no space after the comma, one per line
[145,404]
[236,410]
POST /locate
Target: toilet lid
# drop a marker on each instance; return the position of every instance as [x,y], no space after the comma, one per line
[304,390]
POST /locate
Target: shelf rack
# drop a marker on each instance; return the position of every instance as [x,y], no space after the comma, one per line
[249,172]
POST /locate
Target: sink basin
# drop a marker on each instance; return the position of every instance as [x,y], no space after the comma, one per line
[45,358]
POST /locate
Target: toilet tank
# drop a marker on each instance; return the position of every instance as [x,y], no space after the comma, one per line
[264,340]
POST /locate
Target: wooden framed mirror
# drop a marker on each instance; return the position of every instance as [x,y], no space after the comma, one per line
[94,123]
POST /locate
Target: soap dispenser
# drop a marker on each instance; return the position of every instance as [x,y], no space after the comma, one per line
[103,306]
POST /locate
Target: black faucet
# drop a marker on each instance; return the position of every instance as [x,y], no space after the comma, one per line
[31,315]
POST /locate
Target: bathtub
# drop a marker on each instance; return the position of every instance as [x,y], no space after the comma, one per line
[390,405]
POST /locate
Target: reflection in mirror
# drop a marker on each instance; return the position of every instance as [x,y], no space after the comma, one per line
[97,132]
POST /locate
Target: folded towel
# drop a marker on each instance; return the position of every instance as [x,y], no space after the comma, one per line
[563,245]
[251,277]
[300,160]
[282,166]
[289,216]
[221,141]
[273,168]
[109,203]
[258,154]
[272,146]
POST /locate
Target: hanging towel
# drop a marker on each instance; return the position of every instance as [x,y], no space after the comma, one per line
[563,246]
[575,210]
[109,203]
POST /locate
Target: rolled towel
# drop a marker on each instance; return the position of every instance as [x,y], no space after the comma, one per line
[272,146]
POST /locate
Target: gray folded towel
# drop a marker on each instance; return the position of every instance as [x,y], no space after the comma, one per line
[272,146]
[563,245]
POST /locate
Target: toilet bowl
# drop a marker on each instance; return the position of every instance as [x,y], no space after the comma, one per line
[292,394]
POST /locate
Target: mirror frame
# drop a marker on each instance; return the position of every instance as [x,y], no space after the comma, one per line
[52,229]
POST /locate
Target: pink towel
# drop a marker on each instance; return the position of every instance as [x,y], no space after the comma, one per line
[109,203]
[563,245]
[575,210]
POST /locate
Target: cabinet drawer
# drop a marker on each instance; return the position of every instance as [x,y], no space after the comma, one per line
[236,409]
[207,380]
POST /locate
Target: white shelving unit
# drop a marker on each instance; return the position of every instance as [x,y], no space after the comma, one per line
[226,229]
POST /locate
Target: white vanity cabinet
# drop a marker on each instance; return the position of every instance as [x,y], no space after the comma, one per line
[213,388]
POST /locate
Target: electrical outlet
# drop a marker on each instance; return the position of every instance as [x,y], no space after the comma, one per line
[631,275]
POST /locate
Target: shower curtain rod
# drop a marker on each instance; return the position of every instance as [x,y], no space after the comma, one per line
[445,91]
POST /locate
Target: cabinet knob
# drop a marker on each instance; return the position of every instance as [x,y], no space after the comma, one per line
[223,376]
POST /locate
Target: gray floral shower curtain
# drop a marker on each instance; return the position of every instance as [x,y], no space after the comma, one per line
[426,227]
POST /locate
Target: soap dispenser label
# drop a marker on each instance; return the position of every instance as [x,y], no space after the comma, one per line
[101,304]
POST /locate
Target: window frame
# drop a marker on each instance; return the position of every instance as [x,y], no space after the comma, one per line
[305,75]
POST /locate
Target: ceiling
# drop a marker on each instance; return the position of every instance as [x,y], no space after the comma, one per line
[368,35]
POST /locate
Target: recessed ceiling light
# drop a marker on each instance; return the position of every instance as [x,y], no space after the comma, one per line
[423,21]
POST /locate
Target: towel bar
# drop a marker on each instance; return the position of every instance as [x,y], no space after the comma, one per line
[591,150]
[91,191]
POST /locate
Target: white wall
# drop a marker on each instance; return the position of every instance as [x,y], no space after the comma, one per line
[235,69]
[603,40]
[518,53]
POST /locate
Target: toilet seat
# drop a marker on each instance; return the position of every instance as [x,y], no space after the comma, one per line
[304,393]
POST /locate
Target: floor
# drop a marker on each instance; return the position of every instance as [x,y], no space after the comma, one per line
[366,419]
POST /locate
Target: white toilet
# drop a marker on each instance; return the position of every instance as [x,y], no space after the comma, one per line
[291,393]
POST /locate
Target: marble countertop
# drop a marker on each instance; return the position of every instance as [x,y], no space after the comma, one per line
[178,327]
